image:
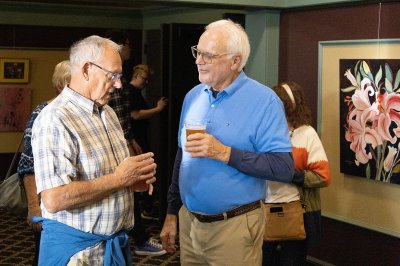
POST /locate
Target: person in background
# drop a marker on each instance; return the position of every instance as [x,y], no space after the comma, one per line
[220,175]
[84,174]
[119,101]
[311,173]
[140,115]
[61,78]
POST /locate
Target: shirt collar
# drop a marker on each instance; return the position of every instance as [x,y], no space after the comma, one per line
[86,104]
[233,87]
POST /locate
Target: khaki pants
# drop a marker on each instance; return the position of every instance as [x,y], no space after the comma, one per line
[236,241]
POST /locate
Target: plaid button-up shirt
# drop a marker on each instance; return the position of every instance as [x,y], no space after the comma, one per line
[73,139]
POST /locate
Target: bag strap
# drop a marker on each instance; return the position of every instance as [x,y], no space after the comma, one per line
[15,157]
[301,197]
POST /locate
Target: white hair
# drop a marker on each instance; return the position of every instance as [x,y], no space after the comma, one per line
[89,49]
[237,39]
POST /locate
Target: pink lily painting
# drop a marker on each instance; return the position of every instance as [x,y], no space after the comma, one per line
[370,118]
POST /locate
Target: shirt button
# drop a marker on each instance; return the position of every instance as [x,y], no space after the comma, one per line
[212,105]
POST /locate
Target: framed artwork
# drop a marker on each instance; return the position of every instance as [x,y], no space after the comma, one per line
[359,84]
[357,198]
[15,109]
[370,118]
[14,70]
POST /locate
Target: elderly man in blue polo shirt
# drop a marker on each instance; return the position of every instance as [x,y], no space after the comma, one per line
[220,175]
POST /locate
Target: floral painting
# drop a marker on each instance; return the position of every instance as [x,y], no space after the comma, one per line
[15,108]
[370,119]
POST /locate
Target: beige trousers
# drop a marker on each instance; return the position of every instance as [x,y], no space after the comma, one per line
[236,241]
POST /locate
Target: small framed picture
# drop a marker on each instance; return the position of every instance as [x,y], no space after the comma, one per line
[14,70]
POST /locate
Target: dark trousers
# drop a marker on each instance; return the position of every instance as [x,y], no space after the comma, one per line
[138,233]
[285,253]
[36,236]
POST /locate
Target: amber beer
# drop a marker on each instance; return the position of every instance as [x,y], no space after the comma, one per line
[190,131]
[194,126]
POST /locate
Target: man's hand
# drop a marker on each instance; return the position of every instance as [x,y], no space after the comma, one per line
[206,145]
[168,233]
[161,103]
[136,169]
[34,211]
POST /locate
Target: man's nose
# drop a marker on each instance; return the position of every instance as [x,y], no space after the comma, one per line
[118,83]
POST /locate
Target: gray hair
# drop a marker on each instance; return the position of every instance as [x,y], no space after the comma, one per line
[89,49]
[238,41]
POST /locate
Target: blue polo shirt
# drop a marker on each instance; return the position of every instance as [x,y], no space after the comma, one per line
[247,116]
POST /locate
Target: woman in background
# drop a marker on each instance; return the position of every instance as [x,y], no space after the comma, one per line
[61,77]
[311,173]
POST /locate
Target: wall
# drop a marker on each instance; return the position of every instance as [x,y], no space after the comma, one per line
[42,63]
[50,15]
[262,26]
[351,200]
[42,39]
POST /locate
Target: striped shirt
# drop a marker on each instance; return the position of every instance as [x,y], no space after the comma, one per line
[309,156]
[73,139]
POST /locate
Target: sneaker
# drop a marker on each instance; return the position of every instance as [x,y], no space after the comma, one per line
[149,215]
[151,247]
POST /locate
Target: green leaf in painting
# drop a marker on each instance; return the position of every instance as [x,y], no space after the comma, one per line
[388,73]
[349,89]
[358,78]
[397,80]
[368,172]
[388,85]
[356,66]
[362,72]
[378,76]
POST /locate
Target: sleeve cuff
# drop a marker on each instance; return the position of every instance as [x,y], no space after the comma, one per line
[298,178]
[236,157]
[173,209]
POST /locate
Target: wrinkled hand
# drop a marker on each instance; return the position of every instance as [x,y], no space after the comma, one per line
[206,145]
[168,233]
[34,211]
[136,169]
[162,103]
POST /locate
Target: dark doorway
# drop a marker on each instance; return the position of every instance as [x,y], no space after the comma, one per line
[178,74]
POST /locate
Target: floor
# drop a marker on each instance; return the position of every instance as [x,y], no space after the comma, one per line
[17,245]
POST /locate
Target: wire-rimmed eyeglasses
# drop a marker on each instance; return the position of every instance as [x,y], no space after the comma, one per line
[114,76]
[207,57]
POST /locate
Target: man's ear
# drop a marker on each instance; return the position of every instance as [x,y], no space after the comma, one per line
[85,71]
[236,62]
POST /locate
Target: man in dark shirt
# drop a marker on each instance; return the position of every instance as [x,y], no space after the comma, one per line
[119,101]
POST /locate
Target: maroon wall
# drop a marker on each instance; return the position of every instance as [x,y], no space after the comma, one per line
[300,32]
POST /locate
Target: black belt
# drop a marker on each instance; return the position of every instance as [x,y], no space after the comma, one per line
[229,214]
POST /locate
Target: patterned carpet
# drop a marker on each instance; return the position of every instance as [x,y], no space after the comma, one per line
[17,245]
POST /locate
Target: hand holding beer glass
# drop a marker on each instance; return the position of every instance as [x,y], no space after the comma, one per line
[204,145]
[194,126]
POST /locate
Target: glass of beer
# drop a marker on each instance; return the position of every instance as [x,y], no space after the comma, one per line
[194,126]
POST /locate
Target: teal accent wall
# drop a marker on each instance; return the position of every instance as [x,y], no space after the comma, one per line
[263,30]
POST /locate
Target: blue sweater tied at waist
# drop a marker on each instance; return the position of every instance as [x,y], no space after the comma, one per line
[59,242]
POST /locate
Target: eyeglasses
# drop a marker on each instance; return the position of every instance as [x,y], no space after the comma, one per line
[114,76]
[207,57]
